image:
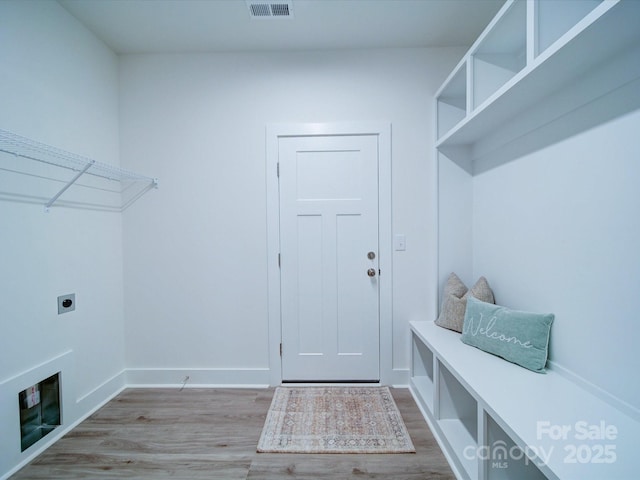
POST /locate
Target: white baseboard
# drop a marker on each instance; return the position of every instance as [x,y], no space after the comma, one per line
[197,377]
[222,377]
[398,378]
[100,395]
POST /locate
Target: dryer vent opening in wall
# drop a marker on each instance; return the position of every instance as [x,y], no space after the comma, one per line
[270,10]
[39,410]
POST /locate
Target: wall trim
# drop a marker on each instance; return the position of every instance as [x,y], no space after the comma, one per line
[100,395]
[198,377]
[399,378]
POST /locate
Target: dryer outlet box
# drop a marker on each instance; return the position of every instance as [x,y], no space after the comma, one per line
[66,303]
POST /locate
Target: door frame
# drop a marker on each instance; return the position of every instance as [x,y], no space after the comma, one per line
[383,131]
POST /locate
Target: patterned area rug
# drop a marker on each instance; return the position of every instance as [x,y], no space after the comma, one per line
[334,420]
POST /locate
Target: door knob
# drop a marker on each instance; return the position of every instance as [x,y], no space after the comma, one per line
[371,272]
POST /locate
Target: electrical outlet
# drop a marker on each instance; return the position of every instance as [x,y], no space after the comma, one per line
[66,303]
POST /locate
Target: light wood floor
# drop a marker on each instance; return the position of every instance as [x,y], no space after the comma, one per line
[212,434]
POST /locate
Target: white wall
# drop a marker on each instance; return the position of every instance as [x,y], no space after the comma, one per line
[58,86]
[195,250]
[558,231]
[455,223]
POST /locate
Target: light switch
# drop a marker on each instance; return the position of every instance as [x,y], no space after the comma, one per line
[400,242]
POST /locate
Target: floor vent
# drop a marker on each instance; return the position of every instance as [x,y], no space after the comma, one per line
[261,9]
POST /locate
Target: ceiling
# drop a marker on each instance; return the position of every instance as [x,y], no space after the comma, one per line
[180,26]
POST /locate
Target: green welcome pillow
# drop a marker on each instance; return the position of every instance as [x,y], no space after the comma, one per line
[520,337]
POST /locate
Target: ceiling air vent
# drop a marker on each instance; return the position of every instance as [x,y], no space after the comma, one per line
[262,9]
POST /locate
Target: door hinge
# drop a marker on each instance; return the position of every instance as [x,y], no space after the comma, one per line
[379,272]
[279,261]
[280,348]
[278,169]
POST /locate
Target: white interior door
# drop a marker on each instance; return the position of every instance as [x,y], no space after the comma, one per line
[329,257]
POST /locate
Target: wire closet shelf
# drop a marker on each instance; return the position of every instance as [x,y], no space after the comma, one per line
[35,172]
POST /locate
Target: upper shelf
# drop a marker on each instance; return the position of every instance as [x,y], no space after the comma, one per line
[34,172]
[549,67]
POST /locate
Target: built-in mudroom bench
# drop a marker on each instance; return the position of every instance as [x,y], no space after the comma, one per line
[540,84]
[496,420]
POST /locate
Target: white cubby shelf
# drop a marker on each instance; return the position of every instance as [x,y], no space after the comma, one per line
[541,71]
[495,420]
